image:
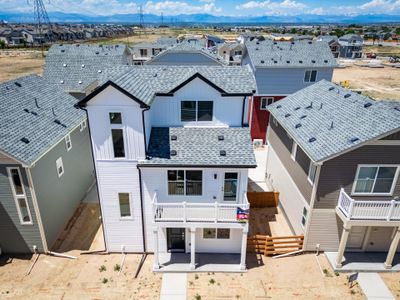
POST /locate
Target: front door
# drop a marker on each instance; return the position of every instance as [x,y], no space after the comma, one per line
[356,237]
[176,239]
[231,180]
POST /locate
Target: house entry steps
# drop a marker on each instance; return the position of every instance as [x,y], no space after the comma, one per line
[173,286]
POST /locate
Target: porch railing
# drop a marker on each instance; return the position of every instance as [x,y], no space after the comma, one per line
[368,210]
[198,212]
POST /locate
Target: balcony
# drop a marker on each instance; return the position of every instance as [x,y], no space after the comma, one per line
[190,212]
[368,210]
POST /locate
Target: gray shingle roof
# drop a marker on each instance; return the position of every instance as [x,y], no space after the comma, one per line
[200,147]
[74,67]
[276,54]
[144,82]
[337,118]
[20,117]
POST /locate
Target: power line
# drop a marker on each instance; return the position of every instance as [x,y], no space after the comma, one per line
[41,21]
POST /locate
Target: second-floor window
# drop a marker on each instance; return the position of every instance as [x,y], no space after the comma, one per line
[189,183]
[193,111]
[238,52]
[117,134]
[375,179]
[19,196]
[310,76]
[265,101]
[143,52]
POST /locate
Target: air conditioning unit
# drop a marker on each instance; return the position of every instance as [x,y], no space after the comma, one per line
[258,143]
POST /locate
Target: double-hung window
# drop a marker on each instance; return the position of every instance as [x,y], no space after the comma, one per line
[304,217]
[189,183]
[375,179]
[18,191]
[196,111]
[117,134]
[310,76]
[124,205]
[216,233]
[82,126]
[312,171]
[265,101]
[143,52]
[68,142]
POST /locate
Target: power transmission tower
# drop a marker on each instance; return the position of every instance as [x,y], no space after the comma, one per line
[162,19]
[41,21]
[141,18]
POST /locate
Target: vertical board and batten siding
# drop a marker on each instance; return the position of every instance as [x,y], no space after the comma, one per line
[227,111]
[118,175]
[285,81]
[14,237]
[58,197]
[155,179]
[179,59]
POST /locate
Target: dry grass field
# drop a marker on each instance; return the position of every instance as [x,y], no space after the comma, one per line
[16,63]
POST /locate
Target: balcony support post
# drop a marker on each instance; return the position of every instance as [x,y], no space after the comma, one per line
[243,250]
[392,249]
[391,209]
[192,248]
[184,211]
[216,212]
[342,246]
[156,263]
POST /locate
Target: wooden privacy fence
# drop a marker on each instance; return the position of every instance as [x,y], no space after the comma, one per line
[263,199]
[263,244]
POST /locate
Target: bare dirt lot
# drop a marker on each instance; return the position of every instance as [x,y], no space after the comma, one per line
[378,83]
[392,281]
[16,63]
[296,277]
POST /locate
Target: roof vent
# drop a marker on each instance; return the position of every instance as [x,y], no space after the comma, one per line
[366,105]
[262,61]
[258,43]
[275,43]
[83,65]
[61,81]
[325,61]
[331,88]
[313,139]
[354,139]
[313,61]
[309,42]
[80,81]
[26,110]
[57,122]
[310,106]
[17,84]
[34,113]
[25,140]
[292,43]
[155,75]
[173,153]
[297,125]
[331,127]
[347,95]
[77,45]
[303,116]
[97,52]
[62,50]
[275,62]
[174,137]
[287,115]
[256,49]
[64,65]
[221,138]
[99,71]
[222,153]
[397,108]
[300,61]
[279,106]
[297,108]
[288,61]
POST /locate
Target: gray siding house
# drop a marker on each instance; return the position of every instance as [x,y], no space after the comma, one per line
[46,166]
[351,46]
[334,157]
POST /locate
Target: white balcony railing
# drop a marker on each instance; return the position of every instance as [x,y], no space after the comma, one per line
[368,210]
[198,212]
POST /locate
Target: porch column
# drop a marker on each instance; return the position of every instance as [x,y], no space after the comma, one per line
[392,249]
[156,263]
[192,248]
[243,250]
[342,246]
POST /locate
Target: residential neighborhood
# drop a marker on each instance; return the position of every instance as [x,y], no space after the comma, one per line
[159,160]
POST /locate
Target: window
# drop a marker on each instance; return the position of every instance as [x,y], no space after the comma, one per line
[82,126]
[375,180]
[265,101]
[238,52]
[304,217]
[60,167]
[124,205]
[310,76]
[189,183]
[68,142]
[143,52]
[115,118]
[118,142]
[196,111]
[230,186]
[312,170]
[19,196]
[216,233]
[294,150]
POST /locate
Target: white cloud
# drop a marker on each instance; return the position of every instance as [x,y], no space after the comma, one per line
[207,1]
[286,7]
[179,7]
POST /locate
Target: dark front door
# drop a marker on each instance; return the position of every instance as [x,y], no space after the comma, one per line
[176,239]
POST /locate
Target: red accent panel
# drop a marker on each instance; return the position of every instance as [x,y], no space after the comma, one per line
[260,118]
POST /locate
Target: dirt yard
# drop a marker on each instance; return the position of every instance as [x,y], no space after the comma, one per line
[16,63]
[296,277]
[268,221]
[392,281]
[378,83]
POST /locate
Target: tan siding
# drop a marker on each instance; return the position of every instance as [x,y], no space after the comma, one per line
[340,172]
[325,229]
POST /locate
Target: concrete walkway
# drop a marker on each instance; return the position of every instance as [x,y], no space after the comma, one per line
[174,286]
[373,287]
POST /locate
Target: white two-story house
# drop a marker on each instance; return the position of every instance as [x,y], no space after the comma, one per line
[172,153]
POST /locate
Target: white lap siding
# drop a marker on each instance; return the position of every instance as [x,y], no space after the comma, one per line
[231,245]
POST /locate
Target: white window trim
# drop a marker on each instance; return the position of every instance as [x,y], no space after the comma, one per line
[267,99]
[309,170]
[68,140]
[82,126]
[117,126]
[197,109]
[184,184]
[59,162]
[130,207]
[216,233]
[309,79]
[275,121]
[294,151]
[396,175]
[22,196]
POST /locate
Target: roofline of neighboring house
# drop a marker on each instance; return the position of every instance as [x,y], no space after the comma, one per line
[101,88]
[295,67]
[167,165]
[13,158]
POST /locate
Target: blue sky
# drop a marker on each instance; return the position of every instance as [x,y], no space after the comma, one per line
[215,7]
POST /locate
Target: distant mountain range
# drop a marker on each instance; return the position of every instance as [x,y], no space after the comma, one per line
[59,17]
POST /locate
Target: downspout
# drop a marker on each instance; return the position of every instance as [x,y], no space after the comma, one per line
[243,106]
[142,210]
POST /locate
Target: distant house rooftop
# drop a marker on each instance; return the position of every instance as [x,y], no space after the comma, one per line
[326,120]
[34,116]
[277,54]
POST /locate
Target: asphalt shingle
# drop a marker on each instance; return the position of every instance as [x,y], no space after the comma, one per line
[325,119]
